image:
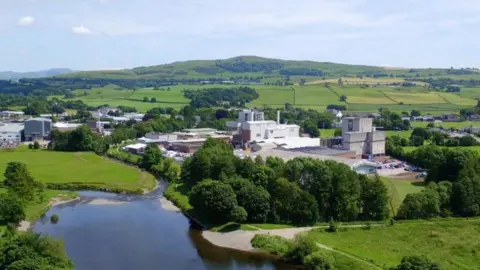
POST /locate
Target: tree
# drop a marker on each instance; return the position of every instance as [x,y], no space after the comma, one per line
[81,139]
[256,201]
[19,180]
[153,100]
[11,209]
[151,157]
[33,251]
[238,214]
[36,145]
[302,247]
[214,199]
[374,198]
[430,125]
[259,160]
[145,99]
[311,128]
[343,98]
[338,132]
[417,263]
[465,199]
[415,113]
[172,170]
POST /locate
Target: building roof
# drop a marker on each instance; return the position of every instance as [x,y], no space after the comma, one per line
[11,127]
[66,125]
[136,146]
[39,119]
[13,112]
[197,130]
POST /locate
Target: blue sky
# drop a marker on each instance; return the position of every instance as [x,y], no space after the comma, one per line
[110,34]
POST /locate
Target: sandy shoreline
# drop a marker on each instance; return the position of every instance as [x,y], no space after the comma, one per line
[102,201]
[240,240]
[168,205]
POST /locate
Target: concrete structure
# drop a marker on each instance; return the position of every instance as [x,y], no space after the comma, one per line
[157,138]
[37,129]
[360,136]
[11,114]
[11,132]
[252,126]
[138,148]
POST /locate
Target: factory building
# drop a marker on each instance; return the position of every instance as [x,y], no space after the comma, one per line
[37,129]
[252,126]
[11,132]
[359,136]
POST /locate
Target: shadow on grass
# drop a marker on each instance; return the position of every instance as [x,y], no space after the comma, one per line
[418,184]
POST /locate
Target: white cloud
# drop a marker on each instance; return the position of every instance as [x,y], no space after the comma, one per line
[26,21]
[81,30]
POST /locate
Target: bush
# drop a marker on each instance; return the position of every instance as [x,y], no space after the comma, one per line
[273,244]
[319,260]
[332,227]
[54,219]
[301,248]
[238,214]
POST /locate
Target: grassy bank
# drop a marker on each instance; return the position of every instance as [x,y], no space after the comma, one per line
[454,243]
[65,170]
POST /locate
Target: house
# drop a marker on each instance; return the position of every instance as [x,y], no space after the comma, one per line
[474,117]
[359,136]
[451,118]
[37,129]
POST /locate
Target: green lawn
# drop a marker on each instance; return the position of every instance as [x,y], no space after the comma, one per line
[454,244]
[88,168]
[325,133]
[398,190]
[402,134]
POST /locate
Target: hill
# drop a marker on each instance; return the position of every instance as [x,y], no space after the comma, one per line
[11,75]
[253,68]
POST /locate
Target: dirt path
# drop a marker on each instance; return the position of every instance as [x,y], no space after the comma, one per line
[348,255]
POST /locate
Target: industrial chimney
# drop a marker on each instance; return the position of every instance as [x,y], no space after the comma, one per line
[278,117]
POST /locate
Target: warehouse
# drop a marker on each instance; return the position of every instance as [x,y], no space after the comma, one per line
[11,132]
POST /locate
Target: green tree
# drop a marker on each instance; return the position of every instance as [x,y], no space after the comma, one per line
[214,200]
[256,201]
[145,99]
[36,145]
[153,100]
[374,199]
[151,157]
[343,98]
[465,199]
[417,263]
[81,139]
[259,160]
[172,169]
[302,247]
[338,132]
[238,215]
[311,128]
[11,209]
[19,180]
[33,251]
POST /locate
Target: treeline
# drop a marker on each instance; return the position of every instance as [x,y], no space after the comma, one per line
[240,65]
[26,250]
[213,97]
[445,83]
[453,183]
[391,121]
[301,191]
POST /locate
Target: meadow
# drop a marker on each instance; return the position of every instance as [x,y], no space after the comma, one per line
[312,96]
[453,243]
[84,168]
[456,125]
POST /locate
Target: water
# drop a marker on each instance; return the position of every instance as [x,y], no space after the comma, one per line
[365,169]
[139,234]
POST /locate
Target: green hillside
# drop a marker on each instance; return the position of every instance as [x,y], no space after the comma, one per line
[264,69]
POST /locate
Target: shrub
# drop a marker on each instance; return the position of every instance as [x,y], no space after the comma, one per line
[319,260]
[332,227]
[273,244]
[301,248]
[54,219]
[238,214]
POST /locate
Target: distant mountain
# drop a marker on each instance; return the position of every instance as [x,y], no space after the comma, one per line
[10,75]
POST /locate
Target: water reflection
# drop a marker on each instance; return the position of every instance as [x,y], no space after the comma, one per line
[139,234]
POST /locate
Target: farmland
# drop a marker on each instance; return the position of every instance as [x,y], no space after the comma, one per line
[454,243]
[316,96]
[87,168]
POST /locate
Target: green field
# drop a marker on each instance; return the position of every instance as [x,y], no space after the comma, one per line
[398,190]
[403,133]
[456,125]
[87,168]
[454,244]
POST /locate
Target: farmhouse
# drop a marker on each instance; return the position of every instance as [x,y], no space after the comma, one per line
[359,136]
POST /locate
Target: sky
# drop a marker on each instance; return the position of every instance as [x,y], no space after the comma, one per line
[112,34]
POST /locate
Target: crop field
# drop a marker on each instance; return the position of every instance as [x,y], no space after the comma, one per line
[456,99]
[88,168]
[415,98]
[315,95]
[456,125]
[470,92]
[454,243]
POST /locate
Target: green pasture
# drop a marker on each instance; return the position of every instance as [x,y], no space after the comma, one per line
[88,168]
[401,133]
[456,125]
[415,98]
[454,244]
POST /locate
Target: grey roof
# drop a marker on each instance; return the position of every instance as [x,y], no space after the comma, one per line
[39,119]
[11,127]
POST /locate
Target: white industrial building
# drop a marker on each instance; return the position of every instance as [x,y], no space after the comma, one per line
[359,136]
[11,132]
[252,126]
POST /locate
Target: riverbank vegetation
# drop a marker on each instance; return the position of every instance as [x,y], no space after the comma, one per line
[25,251]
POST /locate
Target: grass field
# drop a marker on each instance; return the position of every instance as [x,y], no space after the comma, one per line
[398,190]
[456,125]
[88,168]
[454,244]
[314,96]
[403,134]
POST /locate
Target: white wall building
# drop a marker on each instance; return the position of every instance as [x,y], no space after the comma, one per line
[252,126]
[360,136]
[11,132]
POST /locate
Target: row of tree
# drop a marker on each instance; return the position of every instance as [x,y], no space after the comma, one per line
[214,97]
[301,191]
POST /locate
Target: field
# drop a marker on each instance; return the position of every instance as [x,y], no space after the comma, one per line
[88,168]
[452,243]
[398,190]
[456,125]
[314,96]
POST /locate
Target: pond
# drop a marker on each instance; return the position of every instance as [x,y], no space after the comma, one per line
[120,232]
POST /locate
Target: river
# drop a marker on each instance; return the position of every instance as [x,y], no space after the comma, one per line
[137,233]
